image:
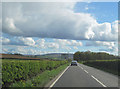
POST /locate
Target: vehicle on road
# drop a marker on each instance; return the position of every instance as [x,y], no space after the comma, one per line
[74,63]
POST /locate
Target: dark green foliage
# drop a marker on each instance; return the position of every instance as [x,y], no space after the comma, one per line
[41,79]
[85,56]
[15,70]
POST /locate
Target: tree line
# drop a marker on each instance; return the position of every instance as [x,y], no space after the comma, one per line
[88,55]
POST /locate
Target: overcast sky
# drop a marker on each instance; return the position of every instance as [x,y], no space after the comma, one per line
[53,27]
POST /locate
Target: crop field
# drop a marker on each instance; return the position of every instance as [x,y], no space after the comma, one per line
[106,65]
[22,70]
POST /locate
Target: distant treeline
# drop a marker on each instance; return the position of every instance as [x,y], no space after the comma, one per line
[85,56]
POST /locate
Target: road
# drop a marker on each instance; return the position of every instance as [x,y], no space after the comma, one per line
[84,76]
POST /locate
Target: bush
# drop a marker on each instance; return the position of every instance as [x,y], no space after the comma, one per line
[16,70]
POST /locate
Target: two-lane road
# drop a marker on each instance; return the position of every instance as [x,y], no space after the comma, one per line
[84,76]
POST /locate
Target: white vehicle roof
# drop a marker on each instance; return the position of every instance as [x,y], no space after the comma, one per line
[74,61]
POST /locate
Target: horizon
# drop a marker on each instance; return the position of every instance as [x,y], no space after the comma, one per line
[56,53]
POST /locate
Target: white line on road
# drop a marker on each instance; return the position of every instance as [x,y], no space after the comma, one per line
[80,67]
[58,77]
[98,81]
[86,71]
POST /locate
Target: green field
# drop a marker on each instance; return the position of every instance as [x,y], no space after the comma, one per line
[22,70]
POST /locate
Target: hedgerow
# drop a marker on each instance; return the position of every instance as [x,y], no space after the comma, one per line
[17,70]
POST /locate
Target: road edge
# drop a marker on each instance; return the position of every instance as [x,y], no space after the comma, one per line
[54,80]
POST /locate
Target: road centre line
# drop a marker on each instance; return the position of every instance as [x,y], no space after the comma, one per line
[94,78]
[80,67]
[85,71]
[58,78]
[98,81]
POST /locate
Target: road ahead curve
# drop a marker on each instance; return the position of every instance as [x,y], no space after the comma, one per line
[84,76]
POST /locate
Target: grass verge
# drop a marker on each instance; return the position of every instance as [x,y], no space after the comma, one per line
[41,79]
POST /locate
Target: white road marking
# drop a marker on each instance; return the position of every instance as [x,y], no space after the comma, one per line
[58,77]
[98,81]
[86,71]
[80,67]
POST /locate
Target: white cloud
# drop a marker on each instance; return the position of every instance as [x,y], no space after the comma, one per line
[57,44]
[110,47]
[53,45]
[67,44]
[64,42]
[100,43]
[25,50]
[21,50]
[26,41]
[20,41]
[86,7]
[4,50]
[40,43]
[75,47]
[74,42]
[54,20]
[113,50]
[105,31]
[4,40]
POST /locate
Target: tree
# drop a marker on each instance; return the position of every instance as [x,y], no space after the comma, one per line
[84,56]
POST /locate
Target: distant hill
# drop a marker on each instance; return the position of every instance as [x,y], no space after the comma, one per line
[51,56]
[16,56]
[59,56]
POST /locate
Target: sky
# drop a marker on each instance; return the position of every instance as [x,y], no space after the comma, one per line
[59,27]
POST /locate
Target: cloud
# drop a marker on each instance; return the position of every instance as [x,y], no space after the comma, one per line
[110,47]
[57,44]
[113,50]
[4,41]
[21,41]
[26,41]
[64,42]
[40,43]
[26,50]
[74,42]
[105,31]
[86,7]
[100,43]
[75,47]
[53,45]
[21,50]
[67,44]
[54,20]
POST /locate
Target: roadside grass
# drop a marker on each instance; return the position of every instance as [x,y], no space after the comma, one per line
[40,80]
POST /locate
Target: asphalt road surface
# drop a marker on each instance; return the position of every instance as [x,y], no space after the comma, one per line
[84,76]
